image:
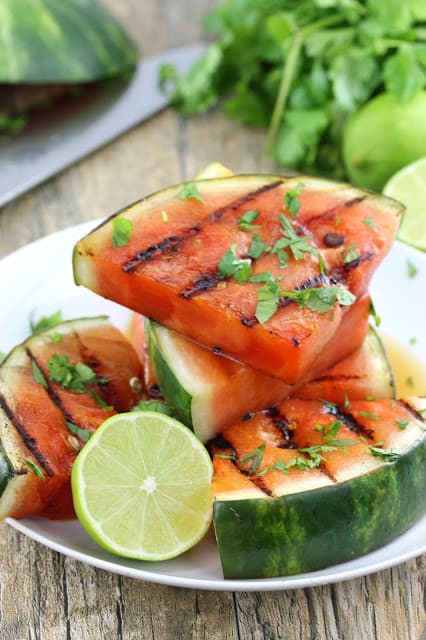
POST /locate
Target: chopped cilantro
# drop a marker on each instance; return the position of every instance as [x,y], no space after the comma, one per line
[388,455]
[75,377]
[56,337]
[83,434]
[164,216]
[370,398]
[291,200]
[224,456]
[321,299]
[38,375]
[369,415]
[409,381]
[298,245]
[350,254]
[230,265]
[154,405]
[257,247]
[346,403]
[245,222]
[370,223]
[121,231]
[45,322]
[190,191]
[373,314]
[411,269]
[34,468]
[402,424]
[255,457]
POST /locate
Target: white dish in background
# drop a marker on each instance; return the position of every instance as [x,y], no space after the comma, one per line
[39,277]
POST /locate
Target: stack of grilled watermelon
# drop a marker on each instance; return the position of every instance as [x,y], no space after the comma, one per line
[256,289]
[256,294]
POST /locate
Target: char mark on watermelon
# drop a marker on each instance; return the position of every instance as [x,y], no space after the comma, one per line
[331,213]
[29,442]
[412,410]
[346,418]
[283,426]
[201,285]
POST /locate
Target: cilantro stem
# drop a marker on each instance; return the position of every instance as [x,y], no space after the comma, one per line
[289,69]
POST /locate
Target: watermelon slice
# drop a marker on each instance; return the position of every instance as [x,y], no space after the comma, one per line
[309,484]
[168,267]
[44,422]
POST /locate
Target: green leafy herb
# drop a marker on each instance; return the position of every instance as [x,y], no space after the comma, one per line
[298,245]
[412,340]
[121,231]
[232,266]
[307,66]
[257,247]
[77,378]
[291,200]
[224,456]
[321,299]
[373,314]
[346,403]
[411,269]
[351,253]
[56,337]
[402,424]
[190,191]
[255,457]
[34,468]
[164,216]
[154,405]
[38,374]
[45,322]
[409,381]
[371,416]
[83,434]
[388,455]
[370,398]
[370,223]
[245,222]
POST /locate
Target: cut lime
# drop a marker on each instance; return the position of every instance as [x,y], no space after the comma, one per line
[409,187]
[142,486]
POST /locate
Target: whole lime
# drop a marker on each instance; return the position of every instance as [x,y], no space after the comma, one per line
[384,136]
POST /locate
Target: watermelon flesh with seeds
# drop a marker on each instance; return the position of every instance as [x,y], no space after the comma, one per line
[42,424]
[168,269]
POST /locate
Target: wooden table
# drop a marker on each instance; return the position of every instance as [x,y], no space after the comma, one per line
[46,596]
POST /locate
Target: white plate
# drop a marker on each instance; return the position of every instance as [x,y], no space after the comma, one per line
[39,276]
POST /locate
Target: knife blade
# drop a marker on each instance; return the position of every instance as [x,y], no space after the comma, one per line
[56,138]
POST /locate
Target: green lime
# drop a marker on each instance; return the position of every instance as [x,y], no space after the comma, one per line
[409,187]
[384,136]
[142,486]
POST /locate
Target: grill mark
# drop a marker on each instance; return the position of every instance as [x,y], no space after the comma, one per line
[330,213]
[28,440]
[205,282]
[349,421]
[323,467]
[337,378]
[282,425]
[310,283]
[340,274]
[412,410]
[107,391]
[174,243]
[258,481]
[236,204]
[220,442]
[171,243]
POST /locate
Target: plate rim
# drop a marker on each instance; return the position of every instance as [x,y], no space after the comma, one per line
[297,581]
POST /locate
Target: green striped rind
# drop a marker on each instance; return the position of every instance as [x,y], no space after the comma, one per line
[170,386]
[307,531]
[64,41]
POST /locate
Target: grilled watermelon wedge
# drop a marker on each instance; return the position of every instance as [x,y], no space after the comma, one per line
[310,484]
[48,41]
[167,267]
[47,410]
[210,392]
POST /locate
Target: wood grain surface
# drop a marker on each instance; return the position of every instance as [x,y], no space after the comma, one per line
[46,596]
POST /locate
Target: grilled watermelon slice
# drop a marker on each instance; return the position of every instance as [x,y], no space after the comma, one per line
[42,424]
[48,41]
[168,269]
[310,484]
[210,392]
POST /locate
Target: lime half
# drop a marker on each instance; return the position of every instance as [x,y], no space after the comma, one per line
[142,486]
[409,187]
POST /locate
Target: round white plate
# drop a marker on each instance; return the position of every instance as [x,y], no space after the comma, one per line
[39,277]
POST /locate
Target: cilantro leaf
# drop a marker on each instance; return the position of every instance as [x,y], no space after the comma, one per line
[257,247]
[232,266]
[83,434]
[411,269]
[369,222]
[121,231]
[45,322]
[403,75]
[38,374]
[291,200]
[388,455]
[245,221]
[76,377]
[34,468]
[190,191]
[255,457]
[154,405]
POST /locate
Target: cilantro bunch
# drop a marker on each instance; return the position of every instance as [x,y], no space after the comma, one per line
[301,67]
